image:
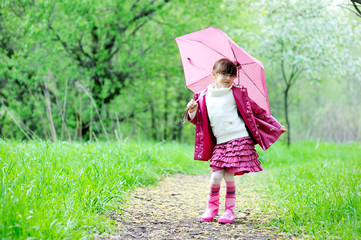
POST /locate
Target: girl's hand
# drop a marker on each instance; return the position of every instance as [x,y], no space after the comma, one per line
[192,106]
[283,129]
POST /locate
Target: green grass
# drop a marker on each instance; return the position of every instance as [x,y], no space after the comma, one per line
[314,189]
[63,190]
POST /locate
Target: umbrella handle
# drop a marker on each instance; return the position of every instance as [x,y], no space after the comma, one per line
[183,120]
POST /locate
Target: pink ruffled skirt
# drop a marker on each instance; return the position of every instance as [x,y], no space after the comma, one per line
[237,156]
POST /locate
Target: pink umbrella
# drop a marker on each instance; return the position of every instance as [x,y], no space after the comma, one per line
[200,50]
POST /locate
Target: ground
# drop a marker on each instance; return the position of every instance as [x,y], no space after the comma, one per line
[172,210]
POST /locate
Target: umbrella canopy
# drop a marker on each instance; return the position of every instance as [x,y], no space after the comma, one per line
[200,50]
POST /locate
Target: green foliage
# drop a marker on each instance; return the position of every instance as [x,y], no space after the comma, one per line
[57,191]
[314,189]
[63,190]
[74,70]
[70,59]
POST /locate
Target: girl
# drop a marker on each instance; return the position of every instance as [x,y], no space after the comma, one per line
[228,125]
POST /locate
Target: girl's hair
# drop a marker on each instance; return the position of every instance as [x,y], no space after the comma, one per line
[224,65]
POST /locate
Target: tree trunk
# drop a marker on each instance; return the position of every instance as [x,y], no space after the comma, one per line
[286,115]
[165,116]
[153,121]
[177,126]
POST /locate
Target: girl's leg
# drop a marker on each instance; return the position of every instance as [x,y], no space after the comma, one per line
[228,215]
[217,176]
[228,177]
[213,200]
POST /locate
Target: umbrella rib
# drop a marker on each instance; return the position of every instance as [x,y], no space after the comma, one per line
[234,55]
[253,83]
[243,64]
[204,45]
[244,71]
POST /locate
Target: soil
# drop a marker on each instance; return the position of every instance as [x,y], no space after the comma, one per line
[172,210]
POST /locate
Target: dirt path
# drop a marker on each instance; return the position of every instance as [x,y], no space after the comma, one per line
[172,208]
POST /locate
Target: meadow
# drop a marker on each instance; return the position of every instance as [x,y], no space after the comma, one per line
[313,189]
[65,190]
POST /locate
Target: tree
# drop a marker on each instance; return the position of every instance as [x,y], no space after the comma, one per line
[353,6]
[97,42]
[11,49]
[357,6]
[297,38]
[62,53]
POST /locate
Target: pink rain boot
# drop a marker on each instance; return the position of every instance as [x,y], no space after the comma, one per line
[212,208]
[228,215]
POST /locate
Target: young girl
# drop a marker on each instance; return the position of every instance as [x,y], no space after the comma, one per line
[228,125]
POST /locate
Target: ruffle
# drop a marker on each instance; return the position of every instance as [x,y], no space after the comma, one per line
[246,154]
[237,156]
[250,164]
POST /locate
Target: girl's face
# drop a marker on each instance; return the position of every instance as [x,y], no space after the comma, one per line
[223,80]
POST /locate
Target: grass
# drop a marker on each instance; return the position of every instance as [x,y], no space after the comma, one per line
[62,191]
[313,189]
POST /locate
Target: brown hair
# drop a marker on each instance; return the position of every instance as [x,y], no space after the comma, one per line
[224,65]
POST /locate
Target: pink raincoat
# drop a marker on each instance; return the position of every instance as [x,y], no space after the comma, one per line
[262,127]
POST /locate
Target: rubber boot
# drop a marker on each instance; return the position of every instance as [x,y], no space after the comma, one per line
[212,208]
[228,215]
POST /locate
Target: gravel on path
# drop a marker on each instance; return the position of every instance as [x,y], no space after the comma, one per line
[172,208]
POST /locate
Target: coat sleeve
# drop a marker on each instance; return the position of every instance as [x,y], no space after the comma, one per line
[268,126]
[260,113]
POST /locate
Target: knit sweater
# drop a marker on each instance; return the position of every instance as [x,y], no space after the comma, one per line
[223,115]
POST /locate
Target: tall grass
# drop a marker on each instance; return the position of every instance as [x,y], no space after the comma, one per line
[314,189]
[61,191]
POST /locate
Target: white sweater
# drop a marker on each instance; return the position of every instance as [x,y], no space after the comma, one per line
[223,115]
